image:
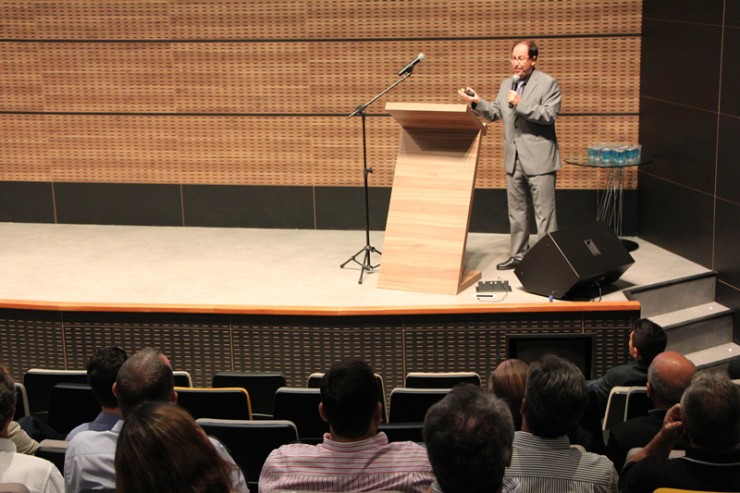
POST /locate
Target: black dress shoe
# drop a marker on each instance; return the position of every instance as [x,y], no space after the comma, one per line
[512,263]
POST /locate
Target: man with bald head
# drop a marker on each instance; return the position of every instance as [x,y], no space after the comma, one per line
[669,375]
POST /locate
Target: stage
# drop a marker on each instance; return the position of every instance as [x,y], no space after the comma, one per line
[277,300]
[204,269]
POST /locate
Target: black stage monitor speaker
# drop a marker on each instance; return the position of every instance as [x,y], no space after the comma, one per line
[571,260]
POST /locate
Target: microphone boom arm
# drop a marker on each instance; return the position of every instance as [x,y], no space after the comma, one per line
[364,106]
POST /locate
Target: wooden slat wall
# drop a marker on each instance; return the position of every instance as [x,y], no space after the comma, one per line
[257,92]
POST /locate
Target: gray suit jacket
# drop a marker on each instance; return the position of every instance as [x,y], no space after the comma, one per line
[529,128]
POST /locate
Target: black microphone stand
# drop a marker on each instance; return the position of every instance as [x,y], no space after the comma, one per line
[366,264]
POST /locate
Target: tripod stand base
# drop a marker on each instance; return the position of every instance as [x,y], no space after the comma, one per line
[366,264]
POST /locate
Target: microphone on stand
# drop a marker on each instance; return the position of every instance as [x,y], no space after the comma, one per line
[408,68]
[514,83]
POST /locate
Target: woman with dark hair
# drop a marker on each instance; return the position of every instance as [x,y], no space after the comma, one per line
[162,449]
[507,382]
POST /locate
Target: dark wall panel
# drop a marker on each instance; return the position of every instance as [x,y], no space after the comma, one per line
[26,202]
[730,101]
[704,12]
[344,207]
[118,203]
[683,141]
[728,166]
[575,207]
[248,206]
[489,213]
[676,218]
[732,14]
[682,62]
[728,242]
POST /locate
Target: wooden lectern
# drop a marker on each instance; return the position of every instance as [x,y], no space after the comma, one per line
[431,200]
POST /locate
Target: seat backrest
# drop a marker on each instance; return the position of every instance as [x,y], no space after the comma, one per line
[250,442]
[209,402]
[441,380]
[616,406]
[301,406]
[411,405]
[13,488]
[638,403]
[71,404]
[39,382]
[260,385]
[403,432]
[21,402]
[314,381]
[182,378]
[53,451]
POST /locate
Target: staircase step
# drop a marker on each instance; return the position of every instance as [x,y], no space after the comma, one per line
[677,294]
[697,327]
[717,356]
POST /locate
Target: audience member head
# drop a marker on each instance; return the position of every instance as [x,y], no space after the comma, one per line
[468,436]
[160,448]
[647,340]
[555,397]
[507,382]
[102,369]
[145,376]
[668,376]
[350,399]
[710,410]
[7,399]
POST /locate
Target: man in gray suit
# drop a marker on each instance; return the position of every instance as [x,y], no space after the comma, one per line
[528,103]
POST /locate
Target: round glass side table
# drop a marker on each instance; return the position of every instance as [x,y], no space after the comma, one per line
[610,198]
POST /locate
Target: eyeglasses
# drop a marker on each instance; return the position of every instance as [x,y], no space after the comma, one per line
[520,59]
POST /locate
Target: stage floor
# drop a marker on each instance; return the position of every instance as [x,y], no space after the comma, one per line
[90,265]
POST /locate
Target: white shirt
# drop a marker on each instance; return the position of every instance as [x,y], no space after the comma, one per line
[39,475]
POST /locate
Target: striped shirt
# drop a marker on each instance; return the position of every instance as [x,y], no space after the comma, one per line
[366,465]
[550,464]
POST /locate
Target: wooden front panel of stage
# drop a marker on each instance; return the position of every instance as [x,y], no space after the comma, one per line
[300,345]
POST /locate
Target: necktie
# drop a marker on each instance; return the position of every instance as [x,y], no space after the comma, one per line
[520,87]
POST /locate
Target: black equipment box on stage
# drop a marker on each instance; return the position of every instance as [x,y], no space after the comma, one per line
[571,260]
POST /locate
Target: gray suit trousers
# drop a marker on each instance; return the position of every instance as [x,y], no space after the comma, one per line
[524,191]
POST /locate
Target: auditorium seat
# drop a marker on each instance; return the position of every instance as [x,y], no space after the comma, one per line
[250,442]
[618,405]
[71,404]
[39,382]
[217,403]
[411,405]
[440,380]
[314,381]
[260,385]
[21,402]
[182,378]
[638,403]
[301,406]
[53,451]
[403,432]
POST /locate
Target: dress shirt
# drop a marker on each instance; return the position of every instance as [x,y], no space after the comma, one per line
[90,461]
[364,465]
[551,464]
[510,485]
[102,422]
[39,475]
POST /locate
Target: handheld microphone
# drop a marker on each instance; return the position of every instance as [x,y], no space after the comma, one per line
[412,64]
[514,83]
